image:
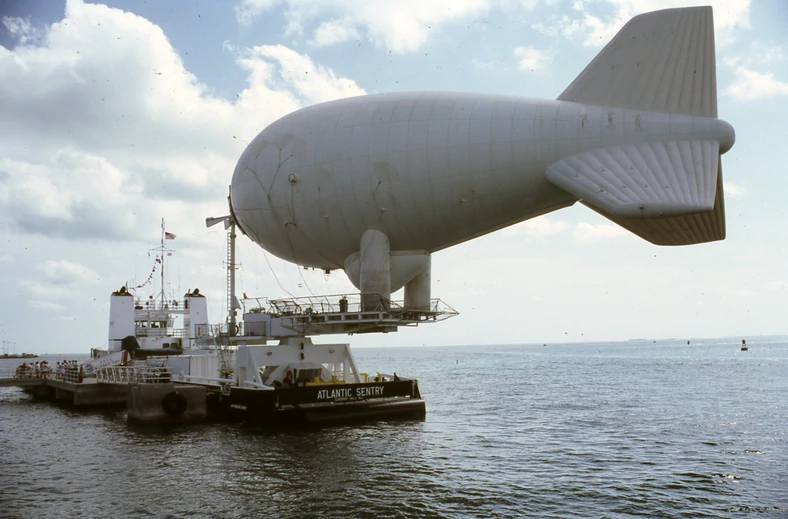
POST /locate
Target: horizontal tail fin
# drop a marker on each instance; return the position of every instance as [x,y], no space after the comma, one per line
[643,180]
[678,230]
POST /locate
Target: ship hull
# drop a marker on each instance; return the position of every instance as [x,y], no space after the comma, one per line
[321,404]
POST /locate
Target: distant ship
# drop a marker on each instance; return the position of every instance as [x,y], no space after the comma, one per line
[19,356]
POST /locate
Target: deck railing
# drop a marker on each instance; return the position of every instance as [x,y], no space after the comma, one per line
[142,331]
[133,375]
[310,306]
[69,375]
[173,306]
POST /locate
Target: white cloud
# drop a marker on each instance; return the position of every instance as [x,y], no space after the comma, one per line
[532,59]
[103,132]
[596,22]
[750,85]
[64,272]
[588,233]
[733,190]
[311,83]
[539,228]
[762,54]
[46,305]
[102,119]
[247,10]
[397,25]
[335,31]
[22,29]
[60,281]
[72,193]
[406,25]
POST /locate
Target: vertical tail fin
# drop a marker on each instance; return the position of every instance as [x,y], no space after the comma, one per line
[659,62]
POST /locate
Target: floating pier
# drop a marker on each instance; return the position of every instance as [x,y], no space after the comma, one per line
[147,393]
[88,393]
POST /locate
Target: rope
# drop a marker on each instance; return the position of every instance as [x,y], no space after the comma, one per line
[150,277]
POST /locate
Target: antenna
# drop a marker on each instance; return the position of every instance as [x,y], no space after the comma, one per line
[162,262]
[229,224]
[162,255]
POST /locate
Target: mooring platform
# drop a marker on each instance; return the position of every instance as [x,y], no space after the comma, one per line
[89,392]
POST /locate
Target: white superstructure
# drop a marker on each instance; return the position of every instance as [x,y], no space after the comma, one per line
[176,324]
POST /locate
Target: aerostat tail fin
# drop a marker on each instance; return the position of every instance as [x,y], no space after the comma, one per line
[662,61]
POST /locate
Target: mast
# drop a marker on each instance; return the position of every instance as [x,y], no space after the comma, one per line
[231,278]
[162,252]
[229,225]
[162,262]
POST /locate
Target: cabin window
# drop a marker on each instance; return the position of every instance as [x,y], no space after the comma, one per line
[307,375]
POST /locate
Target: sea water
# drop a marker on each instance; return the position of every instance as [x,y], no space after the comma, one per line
[635,429]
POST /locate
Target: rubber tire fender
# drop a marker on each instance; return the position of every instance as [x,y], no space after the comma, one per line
[174,404]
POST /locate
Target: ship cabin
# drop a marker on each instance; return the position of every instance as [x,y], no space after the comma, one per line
[158,323]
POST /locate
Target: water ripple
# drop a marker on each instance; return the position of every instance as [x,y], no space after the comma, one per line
[567,431]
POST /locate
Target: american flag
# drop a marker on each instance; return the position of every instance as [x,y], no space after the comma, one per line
[169,236]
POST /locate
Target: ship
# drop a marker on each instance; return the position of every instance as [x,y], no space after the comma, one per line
[264,367]
[19,356]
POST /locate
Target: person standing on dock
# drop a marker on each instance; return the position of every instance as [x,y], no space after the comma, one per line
[23,371]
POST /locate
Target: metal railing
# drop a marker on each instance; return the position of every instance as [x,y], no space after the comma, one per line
[134,375]
[68,375]
[8,373]
[144,331]
[345,303]
[172,305]
[222,330]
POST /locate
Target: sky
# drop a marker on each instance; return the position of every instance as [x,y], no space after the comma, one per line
[115,115]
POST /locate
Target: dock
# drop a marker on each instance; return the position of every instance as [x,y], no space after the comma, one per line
[148,394]
[87,393]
